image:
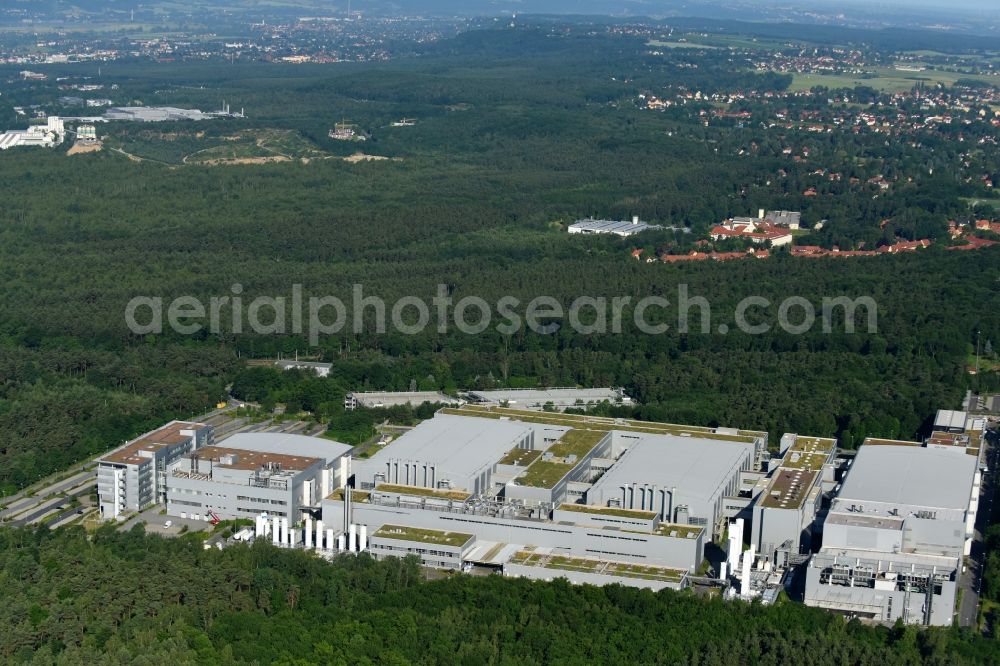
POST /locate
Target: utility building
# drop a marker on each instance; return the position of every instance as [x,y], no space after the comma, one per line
[786,502]
[895,536]
[380,399]
[551,398]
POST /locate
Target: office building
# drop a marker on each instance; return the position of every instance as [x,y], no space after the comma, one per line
[133,476]
[253,473]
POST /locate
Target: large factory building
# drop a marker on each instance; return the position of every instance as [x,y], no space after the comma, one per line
[547,494]
[896,533]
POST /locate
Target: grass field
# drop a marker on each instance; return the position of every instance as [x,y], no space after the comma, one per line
[886,79]
[682,45]
[983,201]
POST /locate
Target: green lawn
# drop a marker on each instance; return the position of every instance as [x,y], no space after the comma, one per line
[886,79]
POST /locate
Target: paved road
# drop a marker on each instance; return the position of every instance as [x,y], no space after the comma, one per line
[41,510]
[971,582]
[21,509]
[18,505]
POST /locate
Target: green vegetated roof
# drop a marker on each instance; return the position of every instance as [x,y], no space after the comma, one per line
[577,442]
[609,511]
[356,495]
[520,457]
[809,453]
[423,536]
[678,531]
[417,491]
[876,441]
[606,567]
[544,474]
[600,423]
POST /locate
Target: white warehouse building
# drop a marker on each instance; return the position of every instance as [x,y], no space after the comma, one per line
[895,536]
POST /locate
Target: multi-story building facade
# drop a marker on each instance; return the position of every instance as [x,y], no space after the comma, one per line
[133,477]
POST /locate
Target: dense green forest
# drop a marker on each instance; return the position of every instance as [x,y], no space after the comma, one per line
[130,597]
[518,133]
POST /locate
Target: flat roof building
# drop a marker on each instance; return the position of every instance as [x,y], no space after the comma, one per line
[549,484]
[786,502]
[784,218]
[152,114]
[222,483]
[132,477]
[48,135]
[618,228]
[447,452]
[435,548]
[381,399]
[253,473]
[289,444]
[551,398]
[683,479]
[895,535]
[321,369]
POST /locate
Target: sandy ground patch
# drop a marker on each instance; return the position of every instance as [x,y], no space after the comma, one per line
[80,148]
[361,157]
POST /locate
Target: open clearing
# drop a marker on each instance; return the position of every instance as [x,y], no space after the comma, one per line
[80,148]
[885,79]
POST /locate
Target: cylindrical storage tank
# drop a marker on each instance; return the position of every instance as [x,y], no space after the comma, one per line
[329,540]
[288,533]
[307,541]
[340,542]
[363,538]
[276,530]
[352,539]
[319,534]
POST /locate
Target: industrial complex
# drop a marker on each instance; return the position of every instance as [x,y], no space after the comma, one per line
[897,530]
[496,485]
[48,135]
